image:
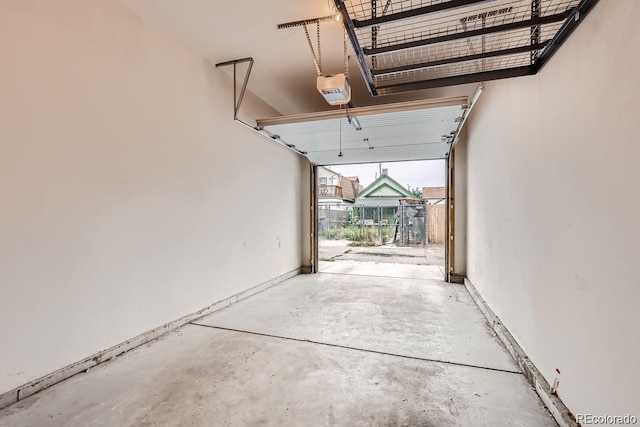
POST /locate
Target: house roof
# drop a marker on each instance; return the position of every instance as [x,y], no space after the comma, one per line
[351,187]
[433,193]
[384,181]
[356,184]
[348,192]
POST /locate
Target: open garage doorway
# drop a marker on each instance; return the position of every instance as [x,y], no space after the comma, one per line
[387,215]
[389,134]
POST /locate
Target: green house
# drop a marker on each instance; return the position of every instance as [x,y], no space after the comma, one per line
[380,199]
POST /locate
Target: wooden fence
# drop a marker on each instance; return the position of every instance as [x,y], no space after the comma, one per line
[437,219]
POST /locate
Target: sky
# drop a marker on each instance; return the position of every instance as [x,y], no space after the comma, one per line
[424,173]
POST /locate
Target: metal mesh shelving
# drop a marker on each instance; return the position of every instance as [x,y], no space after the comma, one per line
[417,44]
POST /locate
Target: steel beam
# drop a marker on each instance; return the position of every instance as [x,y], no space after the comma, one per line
[504,52]
[360,56]
[535,30]
[234,61]
[375,21]
[455,80]
[473,33]
[374,33]
[578,13]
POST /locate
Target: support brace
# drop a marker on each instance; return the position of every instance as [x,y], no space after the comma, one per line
[237,100]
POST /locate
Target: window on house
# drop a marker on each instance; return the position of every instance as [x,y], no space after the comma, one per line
[323,180]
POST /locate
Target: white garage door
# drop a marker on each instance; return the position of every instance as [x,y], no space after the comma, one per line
[420,130]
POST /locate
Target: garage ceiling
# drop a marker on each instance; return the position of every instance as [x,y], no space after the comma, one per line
[398,47]
[283,74]
[409,50]
[395,132]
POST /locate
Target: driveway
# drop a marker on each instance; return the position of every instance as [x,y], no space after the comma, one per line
[339,250]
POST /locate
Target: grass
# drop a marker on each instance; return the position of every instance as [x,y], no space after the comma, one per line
[367,236]
[360,244]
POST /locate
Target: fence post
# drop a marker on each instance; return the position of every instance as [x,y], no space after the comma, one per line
[379,224]
[426,227]
[401,222]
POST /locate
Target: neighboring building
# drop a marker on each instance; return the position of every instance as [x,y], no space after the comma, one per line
[351,187]
[336,191]
[384,191]
[336,194]
[380,200]
[434,195]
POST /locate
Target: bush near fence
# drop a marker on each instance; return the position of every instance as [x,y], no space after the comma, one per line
[373,225]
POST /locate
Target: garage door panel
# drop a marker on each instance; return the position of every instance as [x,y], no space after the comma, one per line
[417,132]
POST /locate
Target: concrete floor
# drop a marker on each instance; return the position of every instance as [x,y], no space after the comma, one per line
[388,270]
[329,349]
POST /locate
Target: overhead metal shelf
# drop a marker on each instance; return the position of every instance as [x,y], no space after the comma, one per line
[406,45]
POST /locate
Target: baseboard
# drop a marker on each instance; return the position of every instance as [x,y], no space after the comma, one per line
[558,409]
[456,278]
[35,386]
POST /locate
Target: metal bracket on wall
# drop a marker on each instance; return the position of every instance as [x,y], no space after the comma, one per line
[237,100]
[463,119]
[304,22]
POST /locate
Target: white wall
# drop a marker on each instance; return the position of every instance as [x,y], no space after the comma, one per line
[554,211]
[128,196]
